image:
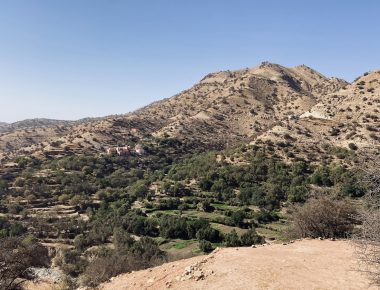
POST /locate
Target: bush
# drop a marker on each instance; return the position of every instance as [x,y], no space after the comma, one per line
[209,234]
[232,239]
[323,217]
[8,229]
[265,216]
[70,262]
[352,146]
[297,193]
[205,246]
[127,256]
[104,267]
[173,227]
[17,257]
[237,218]
[368,238]
[250,238]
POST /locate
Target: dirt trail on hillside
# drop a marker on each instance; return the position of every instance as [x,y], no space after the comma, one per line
[307,264]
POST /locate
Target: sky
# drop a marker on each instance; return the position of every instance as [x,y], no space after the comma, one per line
[89,58]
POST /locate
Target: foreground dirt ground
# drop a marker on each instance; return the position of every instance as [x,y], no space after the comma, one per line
[307,264]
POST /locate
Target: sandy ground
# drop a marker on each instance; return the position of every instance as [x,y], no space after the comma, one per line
[307,264]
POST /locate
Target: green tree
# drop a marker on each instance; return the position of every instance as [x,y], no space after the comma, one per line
[251,238]
[232,239]
[205,246]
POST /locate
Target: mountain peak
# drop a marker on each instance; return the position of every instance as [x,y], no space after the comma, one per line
[267,64]
[370,76]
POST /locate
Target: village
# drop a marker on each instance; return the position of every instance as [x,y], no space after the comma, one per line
[126,150]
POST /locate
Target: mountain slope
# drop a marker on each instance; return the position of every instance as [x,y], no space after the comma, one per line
[347,118]
[239,104]
[225,108]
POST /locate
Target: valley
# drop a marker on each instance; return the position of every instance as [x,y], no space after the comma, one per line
[229,162]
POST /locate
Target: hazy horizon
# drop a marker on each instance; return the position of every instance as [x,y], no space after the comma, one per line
[71,60]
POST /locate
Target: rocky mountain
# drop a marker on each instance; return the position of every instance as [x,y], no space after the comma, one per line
[232,106]
[284,107]
[347,118]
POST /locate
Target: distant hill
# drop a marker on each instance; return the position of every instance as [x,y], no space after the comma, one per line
[32,123]
[18,135]
[297,111]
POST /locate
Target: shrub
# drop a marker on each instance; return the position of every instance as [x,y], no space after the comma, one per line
[237,218]
[232,239]
[205,206]
[173,227]
[250,238]
[70,262]
[368,238]
[127,256]
[352,146]
[265,216]
[297,193]
[8,229]
[17,257]
[106,266]
[205,246]
[321,177]
[209,234]
[323,217]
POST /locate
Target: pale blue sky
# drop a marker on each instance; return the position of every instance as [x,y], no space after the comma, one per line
[76,58]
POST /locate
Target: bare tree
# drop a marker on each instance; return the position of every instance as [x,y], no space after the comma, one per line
[323,217]
[368,238]
[17,257]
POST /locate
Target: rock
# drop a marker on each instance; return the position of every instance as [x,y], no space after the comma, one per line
[150,281]
[188,269]
[253,246]
[218,249]
[49,274]
[198,275]
[168,284]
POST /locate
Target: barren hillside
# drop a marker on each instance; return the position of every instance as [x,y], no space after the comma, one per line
[348,118]
[223,109]
[229,106]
